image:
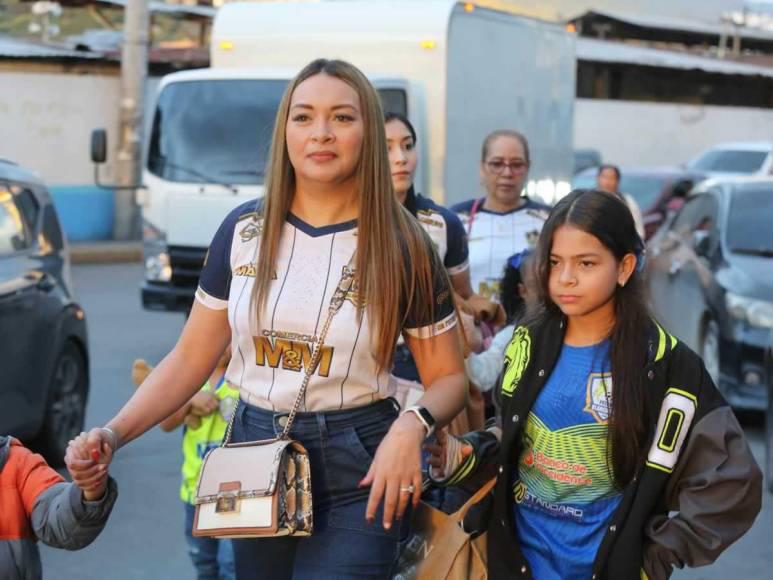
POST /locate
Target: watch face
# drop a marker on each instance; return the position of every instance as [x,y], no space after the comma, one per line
[427,416]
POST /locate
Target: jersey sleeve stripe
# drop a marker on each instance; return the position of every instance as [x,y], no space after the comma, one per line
[210,301]
[431,330]
[463,267]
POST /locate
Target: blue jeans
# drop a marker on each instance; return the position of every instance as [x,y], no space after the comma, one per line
[341,445]
[212,558]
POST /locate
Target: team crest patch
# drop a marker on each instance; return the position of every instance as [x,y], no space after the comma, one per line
[531,238]
[251,231]
[598,398]
[517,356]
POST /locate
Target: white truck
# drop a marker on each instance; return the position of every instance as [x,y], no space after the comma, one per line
[456,69]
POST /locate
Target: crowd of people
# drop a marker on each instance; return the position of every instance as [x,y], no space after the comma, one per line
[616,455]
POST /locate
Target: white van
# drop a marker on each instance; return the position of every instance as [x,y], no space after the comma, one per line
[456,70]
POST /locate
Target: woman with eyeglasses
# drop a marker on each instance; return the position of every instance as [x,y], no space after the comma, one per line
[503,222]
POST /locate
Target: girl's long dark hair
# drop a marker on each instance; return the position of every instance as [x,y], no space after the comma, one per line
[608,218]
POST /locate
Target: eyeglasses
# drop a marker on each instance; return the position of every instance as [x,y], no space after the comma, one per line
[499,166]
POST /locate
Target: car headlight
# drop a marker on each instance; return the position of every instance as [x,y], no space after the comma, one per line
[755,312]
[158,268]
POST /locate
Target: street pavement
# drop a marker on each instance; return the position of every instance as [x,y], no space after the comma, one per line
[144,537]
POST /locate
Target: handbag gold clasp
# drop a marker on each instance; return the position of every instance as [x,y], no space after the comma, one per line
[228,498]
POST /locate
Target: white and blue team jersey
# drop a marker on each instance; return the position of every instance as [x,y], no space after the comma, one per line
[493,237]
[444,228]
[268,361]
[447,233]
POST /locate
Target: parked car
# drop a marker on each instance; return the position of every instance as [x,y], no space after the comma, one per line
[735,159]
[658,191]
[769,417]
[710,272]
[44,362]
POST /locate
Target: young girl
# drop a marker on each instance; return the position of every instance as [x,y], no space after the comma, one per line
[266,285]
[618,458]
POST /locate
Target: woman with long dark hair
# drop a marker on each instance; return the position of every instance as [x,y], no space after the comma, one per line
[448,237]
[618,458]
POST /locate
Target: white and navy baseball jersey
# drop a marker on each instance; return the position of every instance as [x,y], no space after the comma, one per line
[267,363]
[447,233]
[444,228]
[493,237]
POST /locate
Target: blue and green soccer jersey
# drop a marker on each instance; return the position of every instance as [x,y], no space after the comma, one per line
[564,491]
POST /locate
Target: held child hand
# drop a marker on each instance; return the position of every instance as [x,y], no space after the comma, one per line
[140,371]
[203,404]
[88,467]
[446,455]
[487,310]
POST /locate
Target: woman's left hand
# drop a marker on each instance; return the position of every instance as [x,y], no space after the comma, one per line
[395,474]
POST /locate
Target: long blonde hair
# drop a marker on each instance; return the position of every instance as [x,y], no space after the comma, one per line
[395,260]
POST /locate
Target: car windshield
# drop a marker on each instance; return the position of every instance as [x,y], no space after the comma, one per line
[214,131]
[645,189]
[730,161]
[749,221]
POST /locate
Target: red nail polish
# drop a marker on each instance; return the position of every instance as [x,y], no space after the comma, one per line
[95,455]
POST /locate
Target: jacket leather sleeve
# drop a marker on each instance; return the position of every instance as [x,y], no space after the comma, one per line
[713,496]
[62,519]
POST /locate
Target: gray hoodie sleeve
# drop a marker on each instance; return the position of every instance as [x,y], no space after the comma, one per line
[714,495]
[62,519]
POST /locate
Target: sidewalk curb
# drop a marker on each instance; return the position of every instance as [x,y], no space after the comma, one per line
[105,252]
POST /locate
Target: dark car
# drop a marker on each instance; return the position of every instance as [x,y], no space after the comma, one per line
[44,379]
[658,191]
[710,275]
[769,417]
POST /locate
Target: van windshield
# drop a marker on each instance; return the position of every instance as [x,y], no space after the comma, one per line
[214,131]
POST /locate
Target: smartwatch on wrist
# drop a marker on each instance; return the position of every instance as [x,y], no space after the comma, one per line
[424,416]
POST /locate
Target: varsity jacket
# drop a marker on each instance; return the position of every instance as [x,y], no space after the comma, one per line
[37,504]
[697,490]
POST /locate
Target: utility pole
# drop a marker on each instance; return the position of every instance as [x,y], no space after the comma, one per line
[134,71]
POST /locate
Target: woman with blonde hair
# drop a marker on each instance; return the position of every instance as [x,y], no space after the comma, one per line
[266,285]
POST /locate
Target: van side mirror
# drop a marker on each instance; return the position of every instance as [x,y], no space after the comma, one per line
[99,145]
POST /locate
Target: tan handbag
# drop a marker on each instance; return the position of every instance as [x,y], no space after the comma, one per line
[263,488]
[440,549]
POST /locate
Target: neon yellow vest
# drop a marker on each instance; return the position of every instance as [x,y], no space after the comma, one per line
[197,442]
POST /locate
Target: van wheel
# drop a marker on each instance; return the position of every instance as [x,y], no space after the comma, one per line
[66,408]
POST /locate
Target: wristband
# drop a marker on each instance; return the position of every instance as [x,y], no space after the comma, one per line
[115,441]
[424,416]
